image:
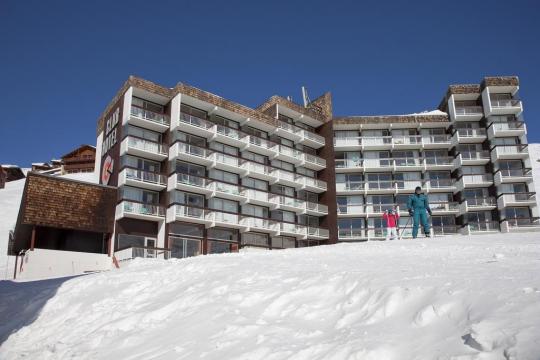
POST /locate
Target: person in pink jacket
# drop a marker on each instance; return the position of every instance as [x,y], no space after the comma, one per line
[391,217]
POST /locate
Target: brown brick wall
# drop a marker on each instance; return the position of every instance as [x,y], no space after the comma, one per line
[500,81]
[56,202]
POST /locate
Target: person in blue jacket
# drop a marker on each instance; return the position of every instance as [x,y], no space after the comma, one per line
[418,205]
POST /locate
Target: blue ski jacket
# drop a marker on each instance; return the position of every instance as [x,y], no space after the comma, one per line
[418,203]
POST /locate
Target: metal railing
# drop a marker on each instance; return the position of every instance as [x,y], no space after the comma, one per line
[444,206]
[504,103]
[259,223]
[351,209]
[311,182]
[481,202]
[312,136]
[133,252]
[439,160]
[510,149]
[465,132]
[193,150]
[440,183]
[191,180]
[316,207]
[190,212]
[147,145]
[317,232]
[436,139]
[230,132]
[525,172]
[522,222]
[195,121]
[475,155]
[477,178]
[349,163]
[142,208]
[408,161]
[313,159]
[519,197]
[348,141]
[257,141]
[144,176]
[145,114]
[407,139]
[258,168]
[469,110]
[508,125]
[482,226]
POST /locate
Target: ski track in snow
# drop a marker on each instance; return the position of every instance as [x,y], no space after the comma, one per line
[471,298]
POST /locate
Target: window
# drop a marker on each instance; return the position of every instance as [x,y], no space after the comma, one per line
[190,110]
[143,133]
[223,205]
[255,211]
[350,228]
[225,122]
[517,212]
[349,182]
[308,196]
[139,195]
[255,132]
[190,139]
[282,165]
[308,220]
[255,239]
[190,169]
[282,215]
[138,163]
[250,182]
[380,203]
[282,190]
[188,199]
[283,242]
[227,149]
[186,229]
[147,105]
[306,172]
[184,247]
[224,176]
[255,157]
[505,141]
[223,234]
[221,247]
[350,204]
[344,134]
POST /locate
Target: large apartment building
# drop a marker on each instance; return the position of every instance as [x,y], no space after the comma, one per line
[197,173]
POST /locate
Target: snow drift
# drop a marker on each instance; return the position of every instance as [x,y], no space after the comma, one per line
[468,298]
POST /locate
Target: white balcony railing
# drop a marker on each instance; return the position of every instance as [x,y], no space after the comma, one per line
[147,145]
[469,110]
[145,114]
[142,209]
[144,176]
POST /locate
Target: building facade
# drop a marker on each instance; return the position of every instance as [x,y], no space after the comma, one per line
[79,160]
[199,174]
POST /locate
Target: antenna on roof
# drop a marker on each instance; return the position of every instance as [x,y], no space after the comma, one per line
[305,97]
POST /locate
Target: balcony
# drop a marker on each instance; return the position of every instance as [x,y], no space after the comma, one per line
[288,203]
[407,142]
[138,210]
[439,163]
[315,209]
[504,106]
[258,171]
[310,184]
[195,125]
[284,177]
[317,233]
[349,165]
[144,148]
[226,191]
[148,119]
[483,227]
[468,113]
[229,136]
[436,141]
[189,183]
[408,164]
[478,204]
[377,165]
[516,199]
[224,219]
[507,128]
[290,229]
[260,225]
[509,152]
[474,181]
[376,142]
[380,187]
[260,146]
[312,162]
[261,198]
[288,131]
[444,208]
[377,209]
[350,187]
[469,136]
[434,185]
[351,210]
[348,144]
[227,162]
[190,153]
[481,157]
[288,154]
[506,176]
[407,186]
[178,212]
[520,224]
[311,139]
[142,179]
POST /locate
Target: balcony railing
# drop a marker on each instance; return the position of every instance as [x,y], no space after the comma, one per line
[350,186]
[288,201]
[311,182]
[509,125]
[195,121]
[444,206]
[504,103]
[258,168]
[314,159]
[379,185]
[351,209]
[436,139]
[223,217]
[439,161]
[147,145]
[519,197]
[483,226]
[254,140]
[287,151]
[379,163]
[440,183]
[507,173]
[191,180]
[475,155]
[317,231]
[193,150]
[477,178]
[144,176]
[408,184]
[523,222]
[259,223]
[407,139]
[230,132]
[510,149]
[347,141]
[191,212]
[481,202]
[292,228]
[469,110]
[316,207]
[408,161]
[142,208]
[376,140]
[469,133]
[349,163]
[225,188]
[133,252]
[145,114]
[288,127]
[312,136]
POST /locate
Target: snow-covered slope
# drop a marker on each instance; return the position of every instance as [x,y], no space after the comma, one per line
[10,201]
[460,297]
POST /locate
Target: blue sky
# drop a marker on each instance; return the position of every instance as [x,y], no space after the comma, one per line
[62,61]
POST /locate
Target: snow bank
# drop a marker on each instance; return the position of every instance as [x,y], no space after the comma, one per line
[472,298]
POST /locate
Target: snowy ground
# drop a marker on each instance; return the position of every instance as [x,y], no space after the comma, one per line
[459,298]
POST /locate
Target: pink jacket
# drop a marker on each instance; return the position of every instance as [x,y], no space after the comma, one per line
[391,219]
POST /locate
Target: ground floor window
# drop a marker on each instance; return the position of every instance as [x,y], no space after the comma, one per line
[283,242]
[138,241]
[221,247]
[184,247]
[255,239]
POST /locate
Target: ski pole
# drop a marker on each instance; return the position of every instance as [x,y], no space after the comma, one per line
[401,232]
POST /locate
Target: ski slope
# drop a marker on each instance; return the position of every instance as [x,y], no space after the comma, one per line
[454,297]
